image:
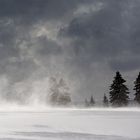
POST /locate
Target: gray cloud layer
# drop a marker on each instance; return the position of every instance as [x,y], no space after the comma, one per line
[107,34]
[84,41]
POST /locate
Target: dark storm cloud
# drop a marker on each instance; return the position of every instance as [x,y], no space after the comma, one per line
[94,34]
[10,61]
[107,33]
[125,64]
[47,47]
[7,32]
[17,20]
[35,10]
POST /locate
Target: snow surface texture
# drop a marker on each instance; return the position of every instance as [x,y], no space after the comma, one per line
[70,124]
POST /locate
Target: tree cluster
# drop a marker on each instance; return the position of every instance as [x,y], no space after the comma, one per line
[90,103]
[119,93]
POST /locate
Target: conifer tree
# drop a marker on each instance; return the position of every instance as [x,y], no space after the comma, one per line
[105,101]
[119,91]
[137,89]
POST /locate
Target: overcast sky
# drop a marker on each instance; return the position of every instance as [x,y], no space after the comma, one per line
[83,41]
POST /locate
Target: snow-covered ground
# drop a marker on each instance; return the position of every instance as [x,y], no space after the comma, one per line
[70,124]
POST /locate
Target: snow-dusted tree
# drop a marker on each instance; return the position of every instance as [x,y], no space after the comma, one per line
[59,92]
[54,91]
[137,89]
[105,101]
[119,91]
[64,96]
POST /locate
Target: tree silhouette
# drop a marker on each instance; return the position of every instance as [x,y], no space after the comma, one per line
[137,89]
[119,91]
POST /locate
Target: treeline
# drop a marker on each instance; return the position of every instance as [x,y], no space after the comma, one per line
[119,93]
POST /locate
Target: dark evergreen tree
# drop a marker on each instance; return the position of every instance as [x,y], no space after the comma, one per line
[105,101]
[92,102]
[137,89]
[119,91]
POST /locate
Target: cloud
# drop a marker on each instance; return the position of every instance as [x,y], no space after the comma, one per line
[84,41]
[106,33]
[102,32]
[33,10]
